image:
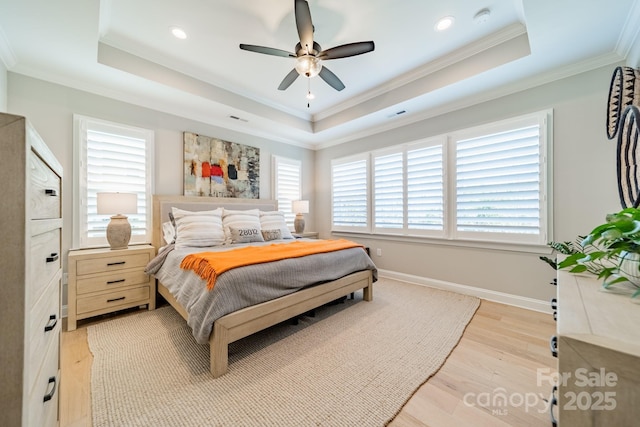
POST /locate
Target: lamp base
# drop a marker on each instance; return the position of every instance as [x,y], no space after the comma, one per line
[119,232]
[298,223]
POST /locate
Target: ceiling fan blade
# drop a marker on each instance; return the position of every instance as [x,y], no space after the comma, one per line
[346,50]
[289,78]
[267,50]
[331,79]
[304,24]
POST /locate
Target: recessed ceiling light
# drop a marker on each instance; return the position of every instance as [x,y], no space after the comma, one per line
[444,23]
[178,33]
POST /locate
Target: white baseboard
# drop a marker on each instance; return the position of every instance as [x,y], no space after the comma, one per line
[501,297]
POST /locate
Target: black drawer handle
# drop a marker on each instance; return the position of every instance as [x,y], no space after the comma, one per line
[53,321]
[554,303]
[54,257]
[553,401]
[49,396]
[553,345]
[115,263]
[115,299]
[111,282]
[555,316]
[50,192]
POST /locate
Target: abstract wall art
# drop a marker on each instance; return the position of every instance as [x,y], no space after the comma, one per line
[218,168]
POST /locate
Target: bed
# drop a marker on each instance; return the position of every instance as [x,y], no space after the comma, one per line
[222,316]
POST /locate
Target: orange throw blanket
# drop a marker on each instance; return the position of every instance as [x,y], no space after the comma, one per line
[209,265]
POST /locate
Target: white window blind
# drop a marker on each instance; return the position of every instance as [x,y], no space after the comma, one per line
[498,183]
[349,189]
[112,158]
[425,188]
[287,185]
[388,184]
[483,184]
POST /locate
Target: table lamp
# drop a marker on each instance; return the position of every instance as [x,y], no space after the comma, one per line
[117,204]
[299,207]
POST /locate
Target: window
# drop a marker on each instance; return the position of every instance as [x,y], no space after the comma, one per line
[287,184]
[110,157]
[349,194]
[487,184]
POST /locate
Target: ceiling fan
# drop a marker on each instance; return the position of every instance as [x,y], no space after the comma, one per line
[309,55]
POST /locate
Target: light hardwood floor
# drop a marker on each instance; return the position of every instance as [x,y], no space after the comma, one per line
[504,353]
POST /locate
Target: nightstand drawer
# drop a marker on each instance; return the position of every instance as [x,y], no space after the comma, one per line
[112,300]
[113,262]
[45,190]
[106,282]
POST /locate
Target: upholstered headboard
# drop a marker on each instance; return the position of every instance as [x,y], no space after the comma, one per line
[162,206]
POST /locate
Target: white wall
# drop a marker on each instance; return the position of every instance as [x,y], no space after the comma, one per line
[50,107]
[3,87]
[584,190]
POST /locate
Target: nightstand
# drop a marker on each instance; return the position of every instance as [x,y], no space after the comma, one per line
[104,280]
[306,234]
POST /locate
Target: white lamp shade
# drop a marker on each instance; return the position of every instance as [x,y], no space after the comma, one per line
[300,206]
[117,203]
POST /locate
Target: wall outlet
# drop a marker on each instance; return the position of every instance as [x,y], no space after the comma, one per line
[379,251]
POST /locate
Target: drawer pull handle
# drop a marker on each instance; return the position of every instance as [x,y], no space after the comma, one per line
[115,263]
[49,396]
[53,321]
[553,401]
[50,192]
[111,282]
[553,345]
[53,257]
[115,299]
[554,303]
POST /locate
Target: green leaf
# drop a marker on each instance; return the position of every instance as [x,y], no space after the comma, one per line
[580,268]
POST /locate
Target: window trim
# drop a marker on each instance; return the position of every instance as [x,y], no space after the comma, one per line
[450,237]
[80,125]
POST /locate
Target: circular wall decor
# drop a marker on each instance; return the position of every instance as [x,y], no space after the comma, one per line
[628,156]
[623,91]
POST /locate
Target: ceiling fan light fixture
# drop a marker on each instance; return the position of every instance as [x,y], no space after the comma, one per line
[308,66]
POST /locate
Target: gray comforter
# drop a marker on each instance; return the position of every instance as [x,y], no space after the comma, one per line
[250,285]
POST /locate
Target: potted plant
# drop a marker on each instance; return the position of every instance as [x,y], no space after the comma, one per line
[611,250]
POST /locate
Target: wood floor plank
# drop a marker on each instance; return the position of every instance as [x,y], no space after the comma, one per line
[501,349]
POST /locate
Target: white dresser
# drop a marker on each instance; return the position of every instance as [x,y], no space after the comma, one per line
[31,273]
[598,354]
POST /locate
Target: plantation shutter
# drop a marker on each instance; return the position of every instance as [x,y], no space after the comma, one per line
[115,163]
[349,191]
[388,182]
[425,188]
[288,185]
[498,181]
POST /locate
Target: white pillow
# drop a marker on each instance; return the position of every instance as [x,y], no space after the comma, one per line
[239,219]
[198,229]
[272,220]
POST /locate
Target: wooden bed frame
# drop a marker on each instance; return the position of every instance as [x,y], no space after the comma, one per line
[249,320]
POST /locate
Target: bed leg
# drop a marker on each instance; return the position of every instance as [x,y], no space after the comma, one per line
[367,292]
[219,351]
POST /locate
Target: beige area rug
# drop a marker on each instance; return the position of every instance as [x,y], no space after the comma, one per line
[354,364]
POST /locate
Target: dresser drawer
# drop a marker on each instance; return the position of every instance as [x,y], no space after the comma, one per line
[44,191]
[105,282]
[115,262]
[110,301]
[45,412]
[44,329]
[45,261]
